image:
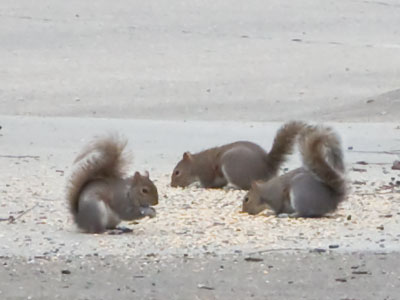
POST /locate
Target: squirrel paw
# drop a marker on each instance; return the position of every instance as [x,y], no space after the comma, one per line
[285,215]
[148,211]
[119,230]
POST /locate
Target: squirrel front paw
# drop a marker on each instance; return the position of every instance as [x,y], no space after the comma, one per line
[148,211]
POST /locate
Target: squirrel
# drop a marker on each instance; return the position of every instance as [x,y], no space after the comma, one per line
[238,163]
[98,193]
[310,191]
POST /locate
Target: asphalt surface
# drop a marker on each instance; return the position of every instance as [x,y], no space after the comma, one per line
[304,275]
[204,60]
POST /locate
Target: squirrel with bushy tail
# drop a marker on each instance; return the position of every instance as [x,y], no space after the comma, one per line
[99,193]
[313,190]
[237,164]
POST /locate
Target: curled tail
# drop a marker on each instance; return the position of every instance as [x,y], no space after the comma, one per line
[102,158]
[322,155]
[283,144]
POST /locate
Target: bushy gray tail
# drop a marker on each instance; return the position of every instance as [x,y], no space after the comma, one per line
[101,158]
[283,144]
[322,154]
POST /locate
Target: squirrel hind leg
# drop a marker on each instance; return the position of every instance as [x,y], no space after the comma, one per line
[241,166]
[93,217]
[311,198]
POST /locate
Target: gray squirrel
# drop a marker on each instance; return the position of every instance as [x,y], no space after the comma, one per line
[98,193]
[313,190]
[238,163]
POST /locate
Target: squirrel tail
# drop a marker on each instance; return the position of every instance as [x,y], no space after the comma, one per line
[322,155]
[283,144]
[101,158]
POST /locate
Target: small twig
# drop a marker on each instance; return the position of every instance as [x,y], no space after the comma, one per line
[20,156]
[276,250]
[45,199]
[394,152]
[23,213]
[41,257]
[359,170]
[376,193]
[371,163]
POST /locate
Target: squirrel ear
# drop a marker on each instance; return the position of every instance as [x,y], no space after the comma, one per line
[146,173]
[187,156]
[136,176]
[254,185]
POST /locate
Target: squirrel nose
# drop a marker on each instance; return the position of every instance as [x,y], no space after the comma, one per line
[154,201]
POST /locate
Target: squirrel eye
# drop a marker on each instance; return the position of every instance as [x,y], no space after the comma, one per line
[145,190]
[177,173]
[246,199]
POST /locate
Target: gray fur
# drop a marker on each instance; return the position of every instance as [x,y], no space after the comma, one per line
[310,197]
[244,163]
[98,210]
[94,216]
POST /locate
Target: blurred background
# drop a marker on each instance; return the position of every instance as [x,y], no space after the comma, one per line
[201,60]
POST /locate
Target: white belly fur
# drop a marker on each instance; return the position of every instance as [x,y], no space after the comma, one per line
[108,217]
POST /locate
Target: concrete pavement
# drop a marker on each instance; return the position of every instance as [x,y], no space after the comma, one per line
[225,60]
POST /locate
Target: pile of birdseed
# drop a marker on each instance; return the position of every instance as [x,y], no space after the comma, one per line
[35,221]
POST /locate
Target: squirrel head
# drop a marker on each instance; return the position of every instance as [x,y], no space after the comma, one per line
[144,190]
[252,201]
[182,175]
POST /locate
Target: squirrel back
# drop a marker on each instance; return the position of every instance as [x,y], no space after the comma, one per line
[102,158]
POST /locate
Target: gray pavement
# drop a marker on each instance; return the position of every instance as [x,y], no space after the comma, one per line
[157,145]
[289,276]
[229,60]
